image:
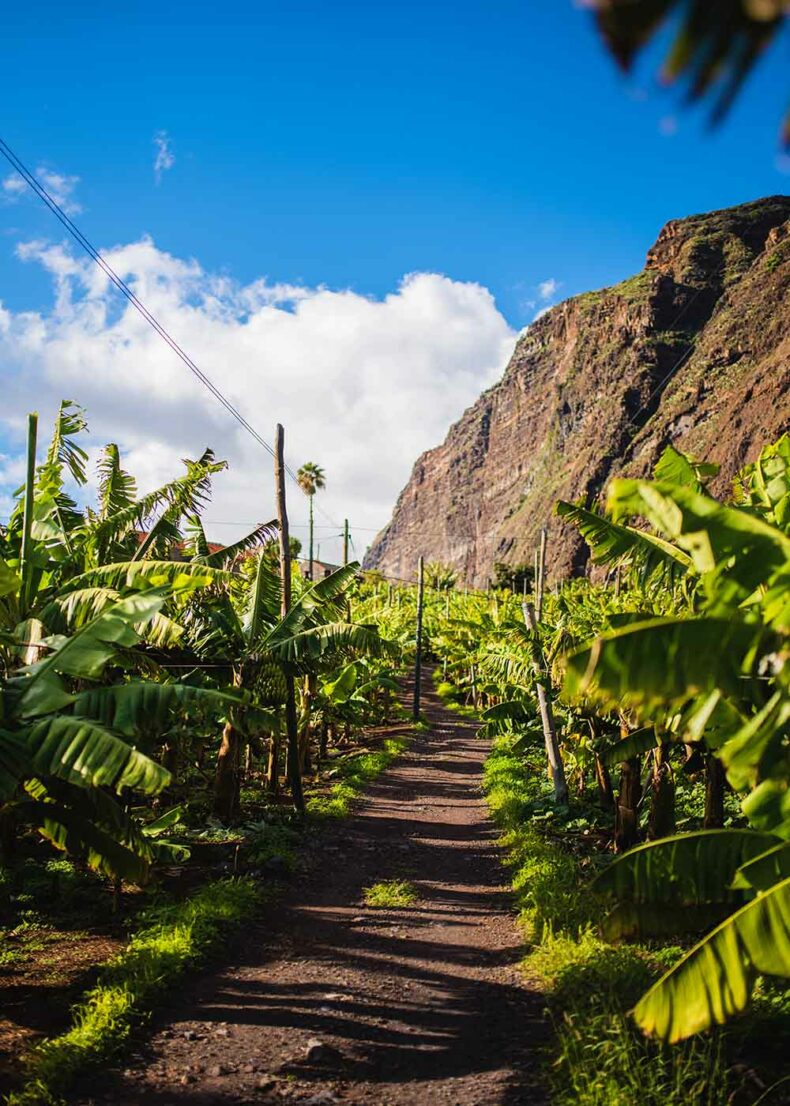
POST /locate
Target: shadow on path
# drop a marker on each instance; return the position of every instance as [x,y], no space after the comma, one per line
[415,1006]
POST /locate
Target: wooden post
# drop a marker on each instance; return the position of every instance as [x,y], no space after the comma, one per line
[27,518]
[310,555]
[418,657]
[541,582]
[293,767]
[547,718]
[345,541]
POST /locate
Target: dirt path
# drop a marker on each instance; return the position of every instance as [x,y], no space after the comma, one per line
[330,1001]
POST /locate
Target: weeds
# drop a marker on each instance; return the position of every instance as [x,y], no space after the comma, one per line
[352,774]
[392,894]
[174,937]
[599,1057]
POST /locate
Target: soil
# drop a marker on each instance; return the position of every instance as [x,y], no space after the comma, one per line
[38,990]
[331,1001]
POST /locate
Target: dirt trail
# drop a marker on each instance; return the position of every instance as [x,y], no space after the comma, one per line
[330,1001]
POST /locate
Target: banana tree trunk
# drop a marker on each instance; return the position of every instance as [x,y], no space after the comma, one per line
[626,828]
[226,779]
[714,792]
[604,782]
[323,739]
[308,697]
[273,766]
[661,820]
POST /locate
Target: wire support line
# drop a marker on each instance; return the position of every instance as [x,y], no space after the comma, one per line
[130,295]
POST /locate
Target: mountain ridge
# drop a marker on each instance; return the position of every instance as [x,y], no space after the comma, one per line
[693,350]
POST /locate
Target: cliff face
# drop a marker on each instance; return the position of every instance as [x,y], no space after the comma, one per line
[694,350]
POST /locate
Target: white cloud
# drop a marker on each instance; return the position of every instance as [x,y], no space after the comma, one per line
[361,385]
[60,187]
[14,185]
[547,289]
[165,158]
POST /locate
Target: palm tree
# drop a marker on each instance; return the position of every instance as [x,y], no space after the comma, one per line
[311,479]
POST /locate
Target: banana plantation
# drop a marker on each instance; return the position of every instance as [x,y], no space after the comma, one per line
[179,720]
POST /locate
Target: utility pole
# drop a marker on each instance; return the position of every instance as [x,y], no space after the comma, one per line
[547,715]
[345,542]
[27,518]
[418,657]
[293,767]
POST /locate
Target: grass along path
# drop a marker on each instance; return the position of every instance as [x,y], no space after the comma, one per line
[331,1000]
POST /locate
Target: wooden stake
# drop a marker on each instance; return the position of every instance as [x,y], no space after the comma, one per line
[541,581]
[547,718]
[293,767]
[418,657]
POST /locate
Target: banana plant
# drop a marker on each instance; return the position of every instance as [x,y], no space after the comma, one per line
[68,764]
[714,672]
[243,630]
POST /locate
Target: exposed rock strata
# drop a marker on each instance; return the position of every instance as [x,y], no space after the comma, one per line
[694,350]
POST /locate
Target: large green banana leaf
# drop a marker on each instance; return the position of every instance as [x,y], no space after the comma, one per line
[315,642]
[630,920]
[320,596]
[760,746]
[715,979]
[78,834]
[766,869]
[83,752]
[710,532]
[610,541]
[85,654]
[126,708]
[698,655]
[688,868]
[176,575]
[639,742]
[768,807]
[674,467]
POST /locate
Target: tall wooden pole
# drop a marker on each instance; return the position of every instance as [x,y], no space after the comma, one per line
[310,500]
[541,573]
[547,717]
[345,541]
[293,767]
[418,656]
[27,518]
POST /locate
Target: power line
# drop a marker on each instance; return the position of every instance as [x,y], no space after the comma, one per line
[126,291]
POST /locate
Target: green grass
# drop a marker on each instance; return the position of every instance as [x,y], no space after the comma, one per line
[353,773]
[392,894]
[598,1057]
[173,939]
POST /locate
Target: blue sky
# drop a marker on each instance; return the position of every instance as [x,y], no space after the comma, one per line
[346,145]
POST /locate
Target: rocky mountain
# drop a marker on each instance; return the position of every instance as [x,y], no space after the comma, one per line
[694,350]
